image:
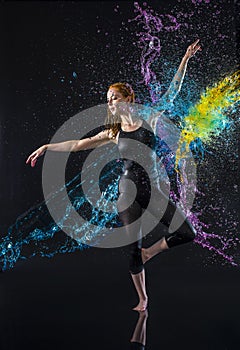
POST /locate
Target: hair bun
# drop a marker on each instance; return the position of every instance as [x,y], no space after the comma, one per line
[128,86]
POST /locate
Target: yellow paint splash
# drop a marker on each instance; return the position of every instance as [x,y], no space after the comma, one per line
[208,117]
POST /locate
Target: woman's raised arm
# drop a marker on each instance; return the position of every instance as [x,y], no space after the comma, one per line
[176,83]
[98,140]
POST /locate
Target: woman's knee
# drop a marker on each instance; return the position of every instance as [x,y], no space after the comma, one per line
[185,234]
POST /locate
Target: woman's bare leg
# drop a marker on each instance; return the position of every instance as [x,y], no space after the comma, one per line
[140,285]
[136,269]
[156,248]
[139,334]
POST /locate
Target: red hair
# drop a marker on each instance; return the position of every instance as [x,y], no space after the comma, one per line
[125,89]
[113,123]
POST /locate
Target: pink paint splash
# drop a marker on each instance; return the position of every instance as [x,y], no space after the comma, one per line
[150,44]
[221,242]
[204,240]
[153,25]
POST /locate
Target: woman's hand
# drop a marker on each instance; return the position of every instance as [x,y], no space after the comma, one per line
[36,154]
[192,49]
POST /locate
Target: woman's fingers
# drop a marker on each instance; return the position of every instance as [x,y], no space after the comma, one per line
[195,43]
[33,162]
[29,158]
[193,48]
[196,48]
[32,158]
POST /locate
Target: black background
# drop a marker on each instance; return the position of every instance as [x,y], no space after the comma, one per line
[84,299]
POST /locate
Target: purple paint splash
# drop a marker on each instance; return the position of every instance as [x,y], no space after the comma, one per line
[221,242]
[204,239]
[150,44]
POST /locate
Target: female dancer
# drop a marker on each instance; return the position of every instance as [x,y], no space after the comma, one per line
[121,126]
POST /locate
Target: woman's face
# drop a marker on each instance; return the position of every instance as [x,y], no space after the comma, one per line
[114,96]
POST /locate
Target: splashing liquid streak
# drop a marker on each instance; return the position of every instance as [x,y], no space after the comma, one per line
[208,118]
[205,119]
[149,43]
[203,238]
[211,114]
[37,229]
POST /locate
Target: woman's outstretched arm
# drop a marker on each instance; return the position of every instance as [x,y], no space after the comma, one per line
[176,83]
[100,139]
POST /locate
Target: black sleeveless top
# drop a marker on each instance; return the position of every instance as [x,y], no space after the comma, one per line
[137,149]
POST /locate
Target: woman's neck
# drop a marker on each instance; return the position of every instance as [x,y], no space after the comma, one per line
[130,123]
[129,120]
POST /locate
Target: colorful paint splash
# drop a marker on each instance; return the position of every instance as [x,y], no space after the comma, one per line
[211,115]
[218,244]
[35,231]
[150,44]
[204,121]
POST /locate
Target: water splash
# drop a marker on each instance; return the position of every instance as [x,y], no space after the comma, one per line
[204,121]
[36,233]
[36,229]
[150,44]
[218,244]
[211,115]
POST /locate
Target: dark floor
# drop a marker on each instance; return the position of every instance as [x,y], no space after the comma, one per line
[83,301]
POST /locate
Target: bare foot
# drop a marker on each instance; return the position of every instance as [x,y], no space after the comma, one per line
[142,305]
[145,255]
